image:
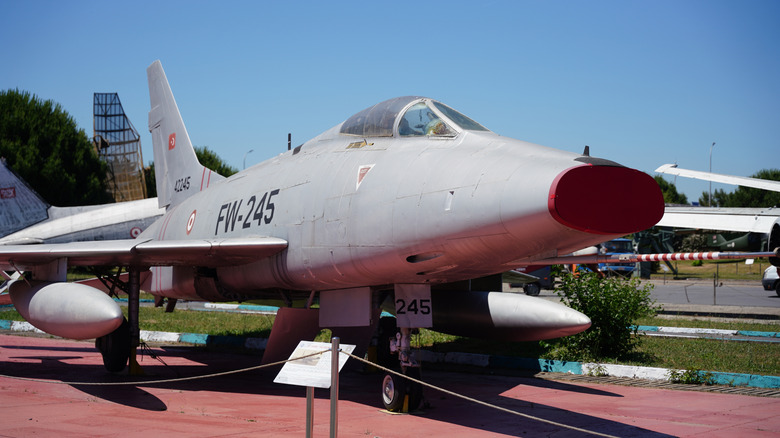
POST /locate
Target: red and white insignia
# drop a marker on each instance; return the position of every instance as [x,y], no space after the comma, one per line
[7,192]
[171,141]
[134,232]
[191,221]
[362,172]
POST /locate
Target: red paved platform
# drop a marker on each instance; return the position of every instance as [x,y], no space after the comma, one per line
[251,404]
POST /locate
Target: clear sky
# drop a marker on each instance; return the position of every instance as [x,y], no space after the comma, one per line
[642,82]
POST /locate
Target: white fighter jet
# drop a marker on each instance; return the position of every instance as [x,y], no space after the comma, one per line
[407,204]
[25,218]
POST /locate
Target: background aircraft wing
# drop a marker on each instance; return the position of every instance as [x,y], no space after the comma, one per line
[672,169]
[207,253]
[756,220]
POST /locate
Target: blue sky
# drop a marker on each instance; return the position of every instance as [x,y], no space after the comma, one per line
[642,82]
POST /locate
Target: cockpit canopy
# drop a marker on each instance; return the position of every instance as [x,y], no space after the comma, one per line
[409,116]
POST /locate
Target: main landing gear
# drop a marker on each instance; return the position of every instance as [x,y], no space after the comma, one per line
[115,348]
[118,348]
[400,394]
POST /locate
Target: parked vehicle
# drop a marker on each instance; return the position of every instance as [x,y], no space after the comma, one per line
[532,279]
[617,246]
[770,280]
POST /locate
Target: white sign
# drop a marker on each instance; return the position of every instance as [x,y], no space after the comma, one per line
[313,369]
[413,305]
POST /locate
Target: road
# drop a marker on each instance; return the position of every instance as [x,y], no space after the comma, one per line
[728,293]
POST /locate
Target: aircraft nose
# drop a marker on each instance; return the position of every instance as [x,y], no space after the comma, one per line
[605,199]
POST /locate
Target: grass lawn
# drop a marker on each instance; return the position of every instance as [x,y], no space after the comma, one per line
[704,354]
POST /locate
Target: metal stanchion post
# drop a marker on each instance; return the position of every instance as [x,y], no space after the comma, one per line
[334,387]
[309,412]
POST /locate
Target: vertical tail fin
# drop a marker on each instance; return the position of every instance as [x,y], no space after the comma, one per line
[178,172]
[20,206]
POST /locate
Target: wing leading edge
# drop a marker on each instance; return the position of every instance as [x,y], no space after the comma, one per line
[202,252]
[672,169]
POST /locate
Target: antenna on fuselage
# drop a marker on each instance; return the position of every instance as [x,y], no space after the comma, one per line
[586,152]
[289,141]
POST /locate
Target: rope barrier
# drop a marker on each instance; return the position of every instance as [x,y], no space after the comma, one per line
[480,402]
[387,370]
[152,382]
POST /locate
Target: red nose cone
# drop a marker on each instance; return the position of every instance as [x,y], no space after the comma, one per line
[606,199]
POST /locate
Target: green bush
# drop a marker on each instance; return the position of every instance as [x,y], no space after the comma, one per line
[613,305]
[691,377]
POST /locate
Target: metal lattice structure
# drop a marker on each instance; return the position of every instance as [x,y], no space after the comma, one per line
[119,145]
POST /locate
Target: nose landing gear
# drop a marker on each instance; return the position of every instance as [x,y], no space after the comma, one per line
[398,393]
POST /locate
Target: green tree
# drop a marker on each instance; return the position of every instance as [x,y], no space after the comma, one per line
[613,305]
[746,196]
[43,145]
[206,156]
[669,190]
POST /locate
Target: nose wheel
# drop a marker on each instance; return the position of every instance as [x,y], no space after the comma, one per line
[400,394]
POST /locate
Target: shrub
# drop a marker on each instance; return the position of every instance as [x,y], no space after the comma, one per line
[613,304]
[691,377]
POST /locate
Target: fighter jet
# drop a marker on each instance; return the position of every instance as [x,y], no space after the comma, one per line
[25,218]
[408,205]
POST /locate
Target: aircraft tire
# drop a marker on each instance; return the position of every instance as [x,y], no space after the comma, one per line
[393,392]
[395,389]
[531,289]
[414,389]
[777,288]
[115,348]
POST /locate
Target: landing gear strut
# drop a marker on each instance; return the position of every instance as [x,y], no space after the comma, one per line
[400,394]
[119,347]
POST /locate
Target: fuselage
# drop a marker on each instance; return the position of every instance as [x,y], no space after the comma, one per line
[122,220]
[370,211]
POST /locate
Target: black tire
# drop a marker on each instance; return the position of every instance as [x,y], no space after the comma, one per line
[393,392]
[414,389]
[395,389]
[115,348]
[531,289]
[777,288]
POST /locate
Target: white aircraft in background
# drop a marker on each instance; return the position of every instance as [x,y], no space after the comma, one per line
[25,218]
[753,220]
[408,205]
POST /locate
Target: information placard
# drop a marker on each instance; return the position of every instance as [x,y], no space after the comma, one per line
[312,371]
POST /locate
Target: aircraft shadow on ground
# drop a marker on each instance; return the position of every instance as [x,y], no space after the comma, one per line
[354,387]
[98,382]
[439,406]
[364,388]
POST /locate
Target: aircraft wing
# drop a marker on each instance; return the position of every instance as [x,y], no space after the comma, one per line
[672,169]
[207,253]
[756,220]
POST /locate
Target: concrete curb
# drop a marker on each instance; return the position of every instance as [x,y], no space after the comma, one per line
[706,331]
